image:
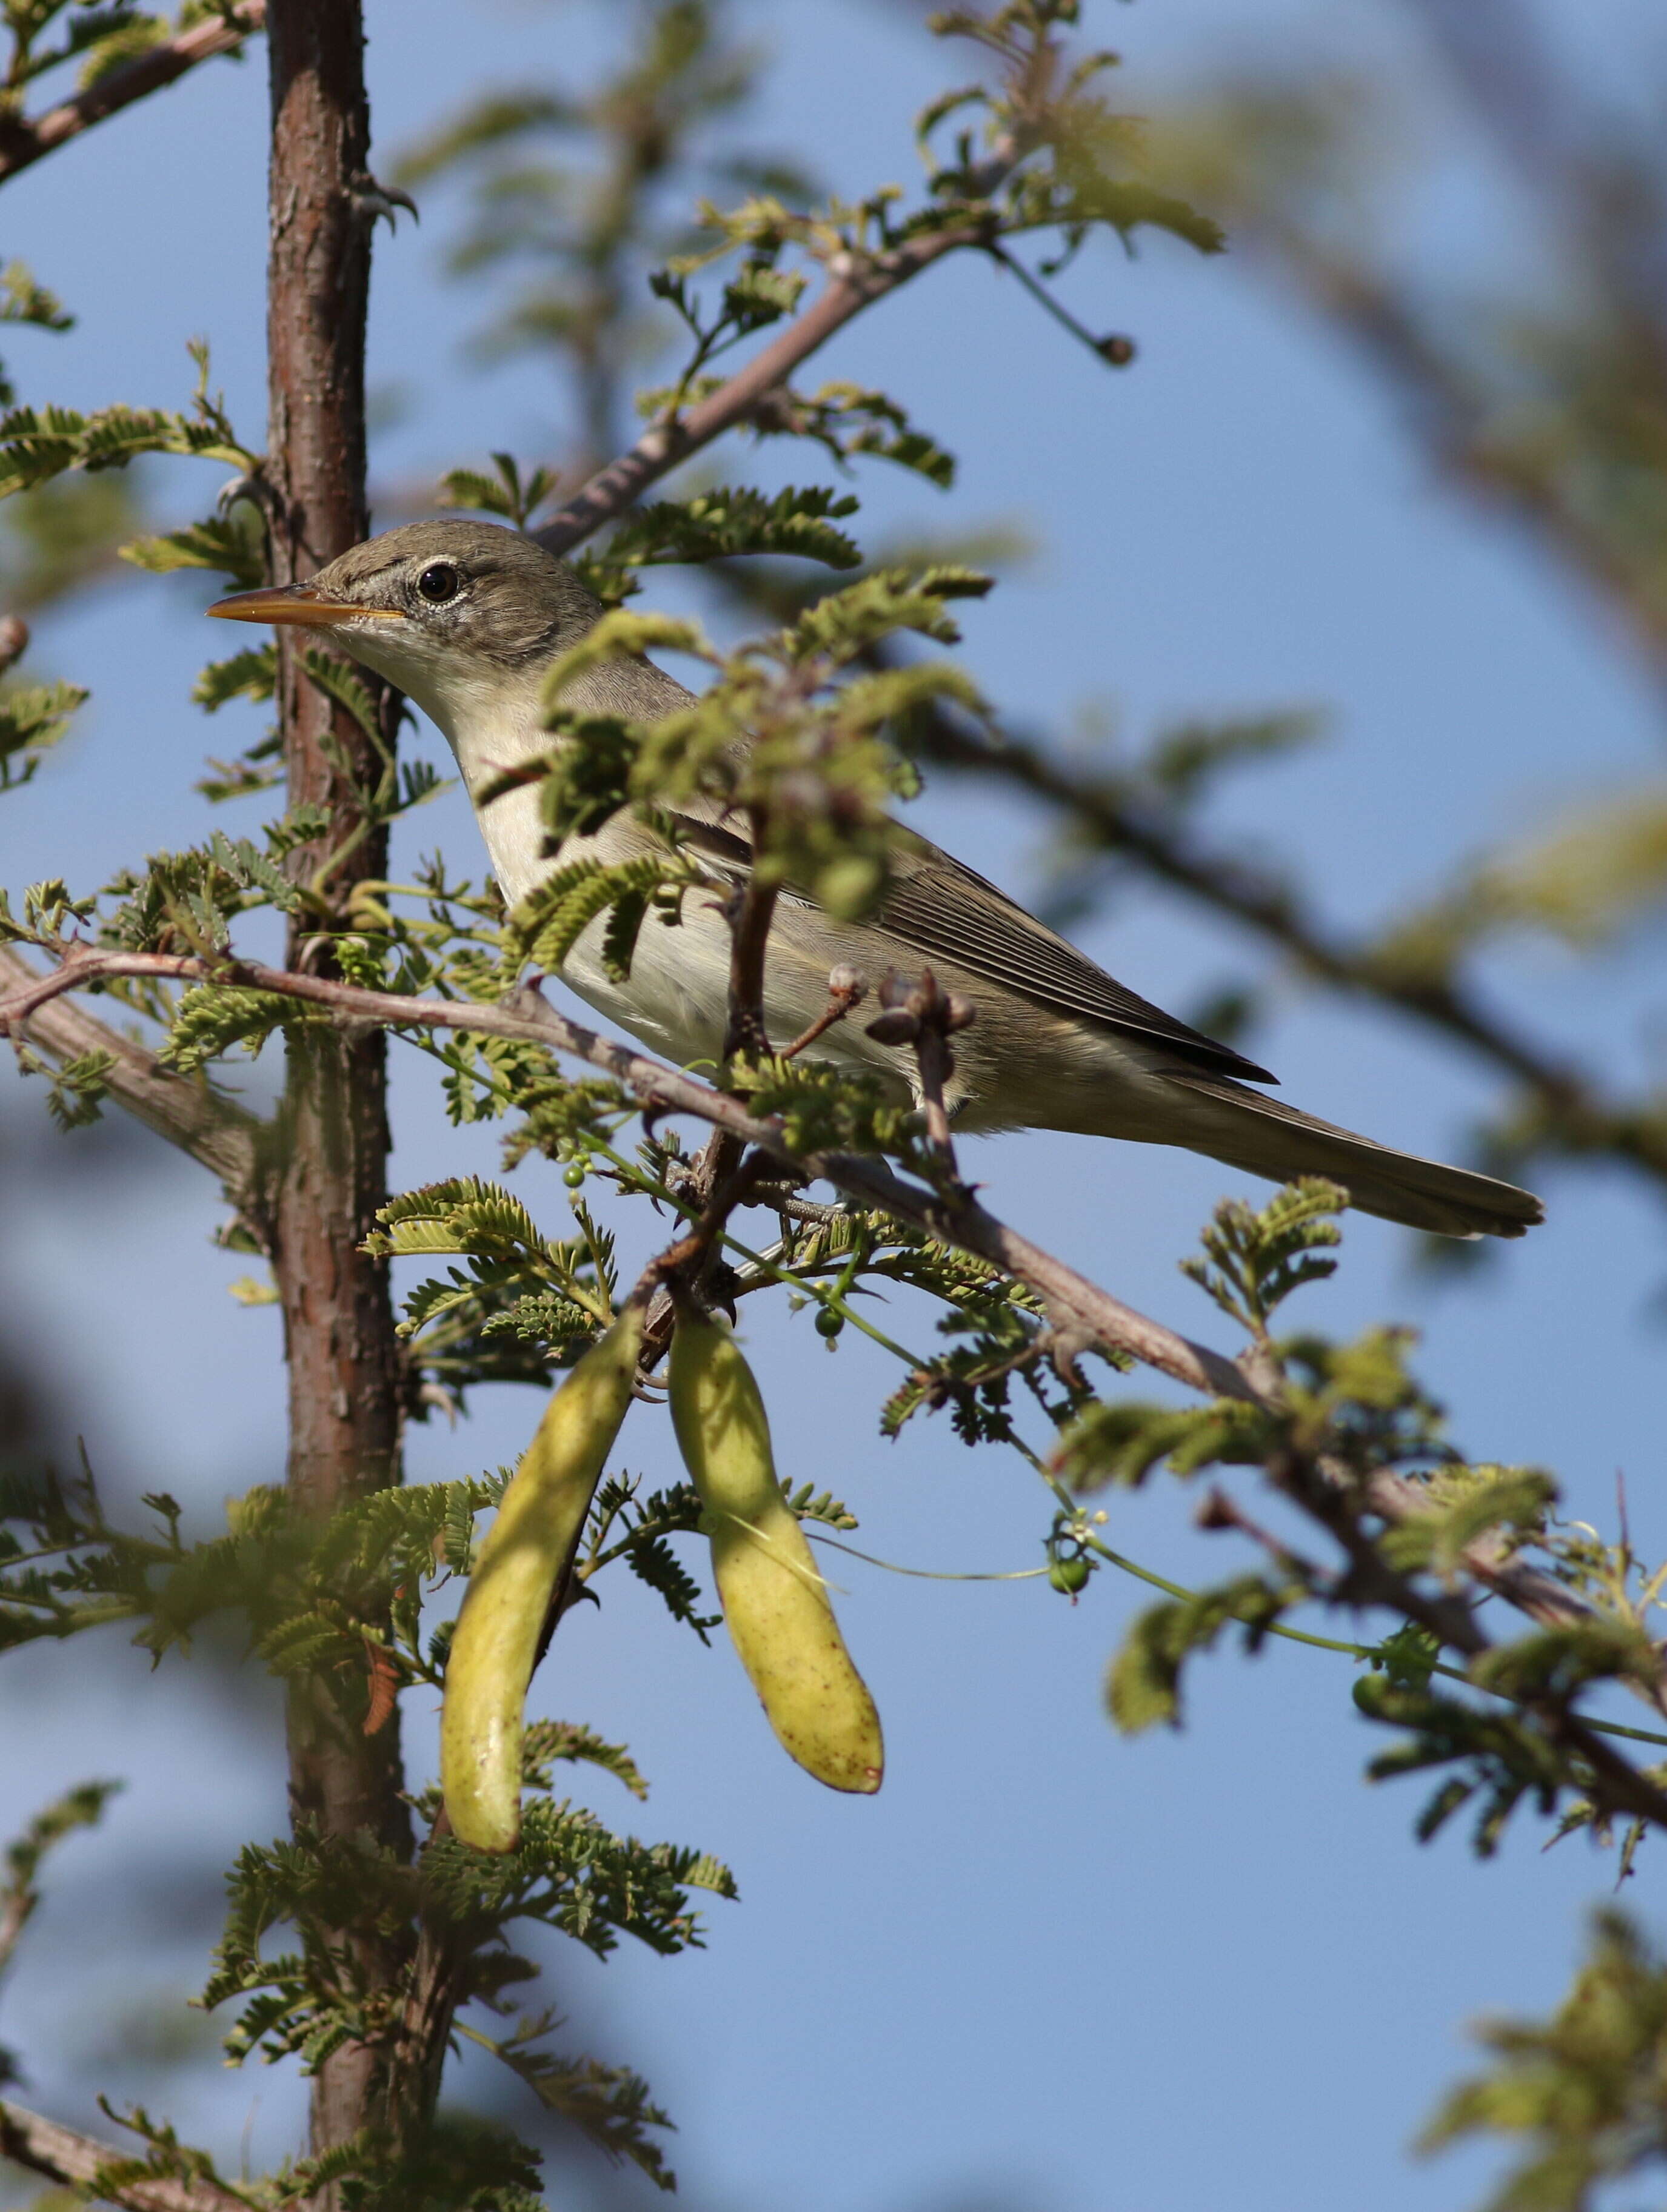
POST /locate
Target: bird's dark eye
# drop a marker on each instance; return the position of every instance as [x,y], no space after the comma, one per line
[439,582]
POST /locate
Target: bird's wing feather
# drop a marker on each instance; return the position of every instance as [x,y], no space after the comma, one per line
[934,905]
[933,901]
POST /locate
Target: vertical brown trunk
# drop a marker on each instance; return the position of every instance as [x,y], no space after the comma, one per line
[341,1351]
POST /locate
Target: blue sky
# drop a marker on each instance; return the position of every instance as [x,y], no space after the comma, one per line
[1045,1969]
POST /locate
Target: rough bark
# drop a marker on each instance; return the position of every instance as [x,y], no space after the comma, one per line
[338,1322]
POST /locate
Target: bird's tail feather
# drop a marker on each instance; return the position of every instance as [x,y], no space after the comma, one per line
[1247,1130]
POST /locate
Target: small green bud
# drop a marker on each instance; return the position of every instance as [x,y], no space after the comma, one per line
[828,1323]
[574,1176]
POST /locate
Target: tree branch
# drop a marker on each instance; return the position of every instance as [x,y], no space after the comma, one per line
[954,1218]
[854,283]
[222,1136]
[23,140]
[751,914]
[343,1359]
[63,2154]
[1618,1784]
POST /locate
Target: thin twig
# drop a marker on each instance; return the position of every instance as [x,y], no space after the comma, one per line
[1617,1785]
[1220,1510]
[845,990]
[24,142]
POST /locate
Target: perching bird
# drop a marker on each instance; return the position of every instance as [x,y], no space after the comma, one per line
[465,617]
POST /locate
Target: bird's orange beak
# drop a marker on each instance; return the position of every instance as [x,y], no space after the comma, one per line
[297,604]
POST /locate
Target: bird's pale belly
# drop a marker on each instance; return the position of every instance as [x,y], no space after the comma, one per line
[1035,1073]
[674,998]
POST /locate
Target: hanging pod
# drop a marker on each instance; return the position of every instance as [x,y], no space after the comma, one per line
[529,1548]
[775,1603]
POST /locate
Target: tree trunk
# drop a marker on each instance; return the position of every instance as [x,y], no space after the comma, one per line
[344,1405]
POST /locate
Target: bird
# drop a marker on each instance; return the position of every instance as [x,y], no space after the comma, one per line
[466,617]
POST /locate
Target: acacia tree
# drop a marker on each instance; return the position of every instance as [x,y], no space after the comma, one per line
[395,1926]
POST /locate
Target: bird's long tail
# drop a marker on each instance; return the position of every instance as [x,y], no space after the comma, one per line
[1247,1130]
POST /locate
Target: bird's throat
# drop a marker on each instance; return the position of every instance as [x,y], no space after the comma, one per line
[512,826]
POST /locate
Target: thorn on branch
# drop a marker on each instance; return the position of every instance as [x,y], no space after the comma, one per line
[372,200]
[384,1686]
[1064,1342]
[253,489]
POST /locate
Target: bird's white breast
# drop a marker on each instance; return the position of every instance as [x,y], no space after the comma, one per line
[674,1001]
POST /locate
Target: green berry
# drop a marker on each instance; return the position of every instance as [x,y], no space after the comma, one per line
[828,1323]
[574,1176]
[1070,1575]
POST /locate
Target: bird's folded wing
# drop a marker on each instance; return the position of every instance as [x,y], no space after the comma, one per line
[935,905]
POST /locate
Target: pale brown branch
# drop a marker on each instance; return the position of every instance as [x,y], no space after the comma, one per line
[528,1017]
[222,1136]
[854,281]
[1617,1785]
[24,142]
[956,1218]
[63,2154]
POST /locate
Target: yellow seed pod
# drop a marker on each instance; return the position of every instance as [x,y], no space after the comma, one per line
[521,1562]
[774,1601]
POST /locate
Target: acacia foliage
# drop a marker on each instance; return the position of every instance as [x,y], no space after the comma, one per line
[829,691]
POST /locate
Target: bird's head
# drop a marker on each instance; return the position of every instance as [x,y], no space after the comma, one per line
[463,616]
